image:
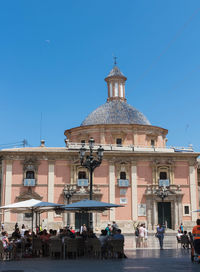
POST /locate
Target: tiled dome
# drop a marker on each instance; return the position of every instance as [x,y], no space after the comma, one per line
[115,112]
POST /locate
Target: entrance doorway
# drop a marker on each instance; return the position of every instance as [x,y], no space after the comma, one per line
[80,219]
[166,208]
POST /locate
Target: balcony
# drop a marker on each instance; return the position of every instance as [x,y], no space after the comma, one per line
[82,182]
[29,182]
[123,182]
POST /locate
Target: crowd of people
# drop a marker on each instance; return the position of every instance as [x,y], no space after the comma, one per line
[26,236]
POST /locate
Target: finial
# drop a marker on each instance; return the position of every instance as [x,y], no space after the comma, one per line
[115,60]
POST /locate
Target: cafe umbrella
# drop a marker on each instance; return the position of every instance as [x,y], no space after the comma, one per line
[32,206]
[89,206]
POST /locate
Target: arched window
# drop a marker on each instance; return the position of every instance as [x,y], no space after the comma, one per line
[81,175]
[30,175]
[122,175]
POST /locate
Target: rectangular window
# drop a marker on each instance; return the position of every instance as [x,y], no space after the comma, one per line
[186,210]
[119,142]
[152,143]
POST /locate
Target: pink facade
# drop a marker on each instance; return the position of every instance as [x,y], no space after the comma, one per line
[135,164]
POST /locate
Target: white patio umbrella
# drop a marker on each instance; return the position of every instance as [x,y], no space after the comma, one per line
[31,205]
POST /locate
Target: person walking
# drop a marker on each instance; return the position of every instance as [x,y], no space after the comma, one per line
[141,235]
[196,235]
[160,235]
[137,241]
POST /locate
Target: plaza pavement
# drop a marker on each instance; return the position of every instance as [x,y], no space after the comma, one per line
[172,258]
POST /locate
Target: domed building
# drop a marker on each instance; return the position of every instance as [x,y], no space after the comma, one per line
[154,183]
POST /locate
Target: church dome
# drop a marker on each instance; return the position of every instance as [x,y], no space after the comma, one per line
[115,112]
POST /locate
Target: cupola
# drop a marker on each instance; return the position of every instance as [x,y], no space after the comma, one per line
[116,84]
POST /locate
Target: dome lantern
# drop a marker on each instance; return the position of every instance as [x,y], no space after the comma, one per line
[116,84]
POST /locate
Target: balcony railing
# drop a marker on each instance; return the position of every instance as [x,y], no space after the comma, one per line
[123,182]
[130,148]
[29,182]
[82,182]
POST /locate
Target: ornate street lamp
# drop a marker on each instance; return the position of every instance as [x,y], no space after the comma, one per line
[90,162]
[68,191]
[162,192]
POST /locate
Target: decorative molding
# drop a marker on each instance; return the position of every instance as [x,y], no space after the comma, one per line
[28,195]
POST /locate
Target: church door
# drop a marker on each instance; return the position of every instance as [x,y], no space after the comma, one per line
[80,219]
[164,207]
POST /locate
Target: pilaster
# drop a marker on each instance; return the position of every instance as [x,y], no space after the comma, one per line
[51,188]
[112,189]
[134,191]
[193,192]
[8,188]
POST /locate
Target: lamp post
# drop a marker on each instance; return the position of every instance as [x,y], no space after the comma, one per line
[90,162]
[68,191]
[162,192]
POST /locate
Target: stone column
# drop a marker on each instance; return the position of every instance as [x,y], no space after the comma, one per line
[155,214]
[176,225]
[193,192]
[134,191]
[112,189]
[180,210]
[149,213]
[51,189]
[8,189]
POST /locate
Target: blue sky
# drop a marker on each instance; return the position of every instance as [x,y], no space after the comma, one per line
[54,56]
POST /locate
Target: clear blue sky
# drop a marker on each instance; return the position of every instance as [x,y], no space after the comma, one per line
[54,56]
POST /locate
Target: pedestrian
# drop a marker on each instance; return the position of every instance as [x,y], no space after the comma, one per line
[114,227]
[196,235]
[2,226]
[16,226]
[108,229]
[141,235]
[160,235]
[181,227]
[137,236]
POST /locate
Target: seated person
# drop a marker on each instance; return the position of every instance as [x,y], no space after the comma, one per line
[45,236]
[178,235]
[16,234]
[185,240]
[103,238]
[6,243]
[118,235]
